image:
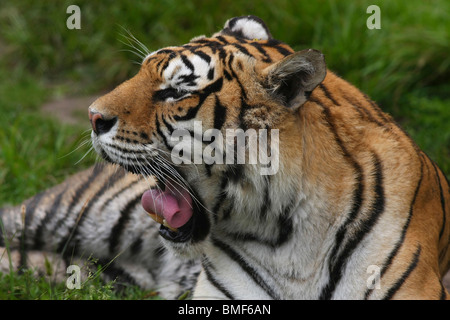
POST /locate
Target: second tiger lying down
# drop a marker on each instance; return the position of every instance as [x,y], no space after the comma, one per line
[347,207]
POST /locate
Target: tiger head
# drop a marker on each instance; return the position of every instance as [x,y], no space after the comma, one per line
[173,121]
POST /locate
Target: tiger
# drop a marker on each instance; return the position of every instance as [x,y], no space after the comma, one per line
[346,206]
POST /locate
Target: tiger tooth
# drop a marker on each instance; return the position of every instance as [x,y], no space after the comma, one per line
[156,217]
[165,224]
[161,220]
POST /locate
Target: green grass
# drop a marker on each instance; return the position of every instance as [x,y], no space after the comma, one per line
[36,151]
[404,66]
[28,286]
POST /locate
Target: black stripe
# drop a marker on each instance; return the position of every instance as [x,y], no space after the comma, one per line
[233,21]
[159,64]
[220,114]
[203,94]
[394,252]
[187,80]
[229,63]
[169,127]
[252,272]
[136,246]
[377,109]
[65,241]
[166,51]
[202,55]
[406,226]
[220,197]
[147,61]
[266,202]
[201,220]
[242,49]
[364,228]
[174,93]
[161,134]
[189,278]
[235,172]
[96,170]
[208,169]
[235,77]
[404,276]
[170,57]
[118,194]
[385,118]
[213,281]
[357,195]
[207,41]
[74,241]
[227,75]
[441,194]
[362,110]
[186,61]
[276,44]
[131,164]
[107,185]
[244,108]
[285,227]
[222,54]
[38,236]
[443,294]
[328,94]
[30,209]
[226,213]
[261,50]
[116,273]
[159,251]
[222,40]
[126,150]
[336,262]
[211,74]
[119,227]
[29,215]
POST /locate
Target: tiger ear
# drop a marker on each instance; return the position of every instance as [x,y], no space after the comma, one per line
[293,78]
[246,27]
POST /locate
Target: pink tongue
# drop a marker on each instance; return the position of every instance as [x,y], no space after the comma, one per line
[175,207]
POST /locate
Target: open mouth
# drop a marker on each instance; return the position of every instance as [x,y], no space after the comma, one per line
[177,208]
[172,207]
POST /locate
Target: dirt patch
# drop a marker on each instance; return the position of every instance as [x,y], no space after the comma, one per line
[70,110]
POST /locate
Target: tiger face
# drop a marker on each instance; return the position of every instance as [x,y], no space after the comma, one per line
[171,121]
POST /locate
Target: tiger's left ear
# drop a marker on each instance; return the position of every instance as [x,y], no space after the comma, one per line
[246,27]
[293,78]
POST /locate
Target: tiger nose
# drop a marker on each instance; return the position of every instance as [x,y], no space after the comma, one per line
[100,123]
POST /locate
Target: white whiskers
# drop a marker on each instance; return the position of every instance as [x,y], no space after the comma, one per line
[136,46]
